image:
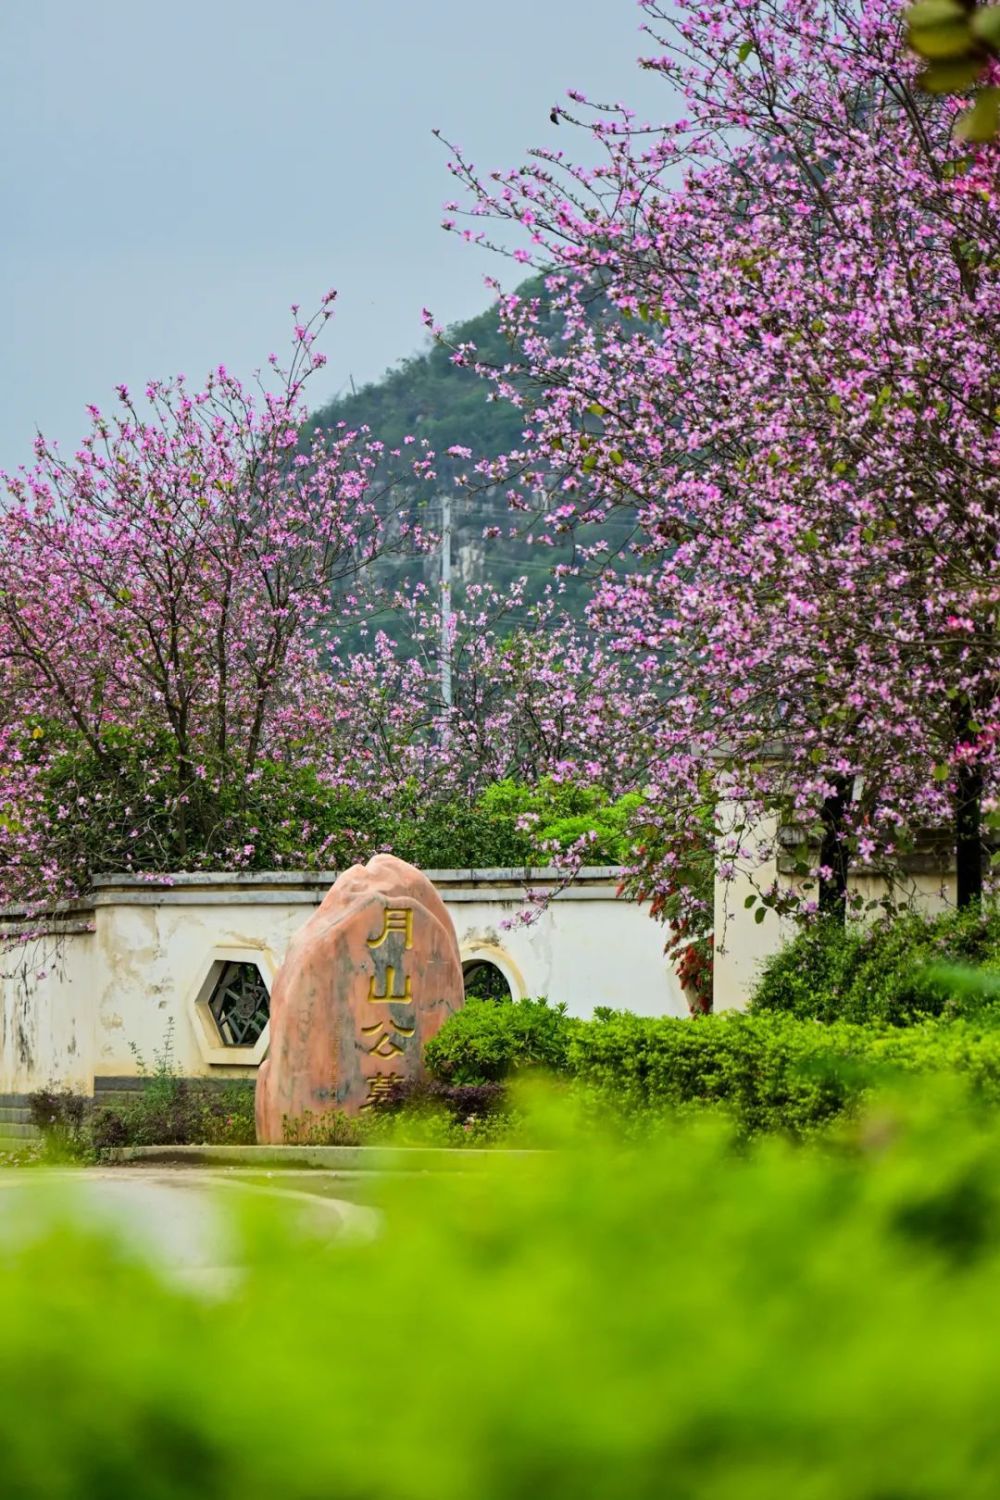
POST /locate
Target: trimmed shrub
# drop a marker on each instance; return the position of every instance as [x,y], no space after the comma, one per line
[766,1073]
[488,1040]
[773,1073]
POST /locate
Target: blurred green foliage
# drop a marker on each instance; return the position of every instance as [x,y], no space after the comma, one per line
[894,972]
[685,1320]
[958,40]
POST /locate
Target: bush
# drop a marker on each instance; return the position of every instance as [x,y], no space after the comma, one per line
[889,974]
[488,1040]
[173,1111]
[766,1074]
[556,814]
[62,1117]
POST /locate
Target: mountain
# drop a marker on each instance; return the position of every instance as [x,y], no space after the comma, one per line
[427,396]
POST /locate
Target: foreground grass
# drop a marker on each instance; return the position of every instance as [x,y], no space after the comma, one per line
[698,1317]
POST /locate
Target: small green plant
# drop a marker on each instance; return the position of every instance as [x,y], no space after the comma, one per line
[62,1118]
[333,1129]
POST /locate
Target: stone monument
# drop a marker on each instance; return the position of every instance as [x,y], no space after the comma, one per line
[366,982]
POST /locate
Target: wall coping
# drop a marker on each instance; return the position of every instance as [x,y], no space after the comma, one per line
[295,888]
[484,875]
[308,887]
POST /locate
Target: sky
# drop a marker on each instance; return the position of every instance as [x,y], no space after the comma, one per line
[175,176]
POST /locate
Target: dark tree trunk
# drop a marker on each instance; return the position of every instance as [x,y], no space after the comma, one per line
[833,851]
[968,835]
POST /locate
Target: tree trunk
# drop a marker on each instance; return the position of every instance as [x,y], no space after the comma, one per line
[833,852]
[968,835]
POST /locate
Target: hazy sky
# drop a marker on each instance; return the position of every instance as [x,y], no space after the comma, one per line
[174,176]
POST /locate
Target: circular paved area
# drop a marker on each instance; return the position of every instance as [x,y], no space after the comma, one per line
[183,1219]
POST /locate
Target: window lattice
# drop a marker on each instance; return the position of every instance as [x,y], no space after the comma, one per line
[240,1005]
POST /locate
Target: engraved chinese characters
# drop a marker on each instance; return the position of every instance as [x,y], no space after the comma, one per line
[366,983]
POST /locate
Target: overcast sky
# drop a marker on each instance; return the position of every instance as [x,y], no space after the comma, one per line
[174,176]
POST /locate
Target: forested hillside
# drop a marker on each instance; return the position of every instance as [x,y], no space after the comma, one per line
[430,397]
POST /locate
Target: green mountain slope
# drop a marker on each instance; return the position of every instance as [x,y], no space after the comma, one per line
[429,397]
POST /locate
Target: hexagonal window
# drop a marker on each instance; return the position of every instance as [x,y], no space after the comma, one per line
[240,1004]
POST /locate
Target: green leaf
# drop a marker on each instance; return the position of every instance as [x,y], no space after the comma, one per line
[759,914]
[810,540]
[941,773]
[750,901]
[986,24]
[950,77]
[590,463]
[948,41]
[933,13]
[982,121]
[834,403]
[745,50]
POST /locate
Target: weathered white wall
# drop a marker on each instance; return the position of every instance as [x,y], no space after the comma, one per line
[742,944]
[102,1002]
[46,1014]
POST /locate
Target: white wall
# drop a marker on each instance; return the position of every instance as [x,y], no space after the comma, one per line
[136,965]
[742,944]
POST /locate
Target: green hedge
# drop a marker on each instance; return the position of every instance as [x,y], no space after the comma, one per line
[772,1073]
[765,1072]
[890,973]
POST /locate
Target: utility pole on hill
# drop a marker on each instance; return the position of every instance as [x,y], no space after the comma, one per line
[446,605]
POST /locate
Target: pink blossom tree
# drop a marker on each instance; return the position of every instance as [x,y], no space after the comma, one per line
[796,389]
[165,598]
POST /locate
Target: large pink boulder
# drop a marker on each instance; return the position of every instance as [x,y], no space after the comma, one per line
[365,984]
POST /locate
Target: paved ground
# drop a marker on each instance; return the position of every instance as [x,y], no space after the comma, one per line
[182,1218]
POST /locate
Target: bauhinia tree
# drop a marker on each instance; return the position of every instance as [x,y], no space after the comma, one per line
[532,695]
[165,595]
[797,388]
